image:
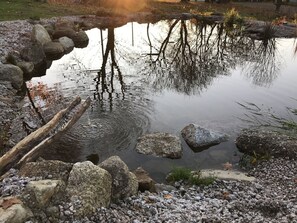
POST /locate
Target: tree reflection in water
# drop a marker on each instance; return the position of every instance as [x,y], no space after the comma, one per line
[193,53]
[104,81]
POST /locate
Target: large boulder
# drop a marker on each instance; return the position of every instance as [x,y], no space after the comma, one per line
[80,39]
[267,142]
[47,169]
[124,183]
[199,138]
[13,210]
[53,50]
[35,54]
[91,185]
[145,182]
[13,74]
[160,144]
[67,44]
[40,34]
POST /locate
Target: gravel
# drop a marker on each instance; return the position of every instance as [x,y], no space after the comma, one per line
[271,198]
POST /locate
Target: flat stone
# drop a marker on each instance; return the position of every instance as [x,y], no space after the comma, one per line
[227,175]
[199,138]
[58,170]
[160,144]
[145,182]
[16,213]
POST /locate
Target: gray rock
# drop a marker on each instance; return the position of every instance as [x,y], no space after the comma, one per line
[13,74]
[145,182]
[35,54]
[198,138]
[124,183]
[40,34]
[91,185]
[26,67]
[53,50]
[160,144]
[266,142]
[58,170]
[68,32]
[43,191]
[17,213]
[80,39]
[67,44]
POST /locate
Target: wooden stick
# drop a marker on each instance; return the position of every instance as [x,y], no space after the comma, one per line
[32,154]
[21,148]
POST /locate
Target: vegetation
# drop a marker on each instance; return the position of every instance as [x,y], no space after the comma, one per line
[267,118]
[232,18]
[248,161]
[24,9]
[190,177]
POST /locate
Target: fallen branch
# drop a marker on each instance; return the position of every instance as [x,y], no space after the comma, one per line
[33,154]
[43,134]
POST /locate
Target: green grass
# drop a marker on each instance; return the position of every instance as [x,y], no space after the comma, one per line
[24,9]
[186,175]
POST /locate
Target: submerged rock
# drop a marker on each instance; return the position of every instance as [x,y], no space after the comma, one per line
[199,138]
[160,144]
[124,183]
[267,142]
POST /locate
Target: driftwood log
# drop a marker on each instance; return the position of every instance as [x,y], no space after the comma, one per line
[29,148]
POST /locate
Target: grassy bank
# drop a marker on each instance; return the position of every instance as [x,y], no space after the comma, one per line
[24,9]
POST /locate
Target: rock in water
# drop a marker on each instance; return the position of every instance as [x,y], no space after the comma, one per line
[198,137]
[266,142]
[124,183]
[160,144]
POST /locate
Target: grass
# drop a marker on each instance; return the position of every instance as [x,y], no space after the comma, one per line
[259,117]
[24,9]
[232,18]
[186,175]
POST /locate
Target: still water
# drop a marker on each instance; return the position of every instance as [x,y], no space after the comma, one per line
[159,78]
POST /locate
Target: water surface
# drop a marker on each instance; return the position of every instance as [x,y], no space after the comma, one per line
[160,77]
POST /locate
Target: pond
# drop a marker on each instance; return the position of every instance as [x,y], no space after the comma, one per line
[160,77]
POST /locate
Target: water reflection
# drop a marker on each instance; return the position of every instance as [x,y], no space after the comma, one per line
[105,82]
[193,53]
[176,58]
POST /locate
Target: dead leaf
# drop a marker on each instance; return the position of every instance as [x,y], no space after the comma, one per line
[167,196]
[7,203]
[227,166]
[226,194]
